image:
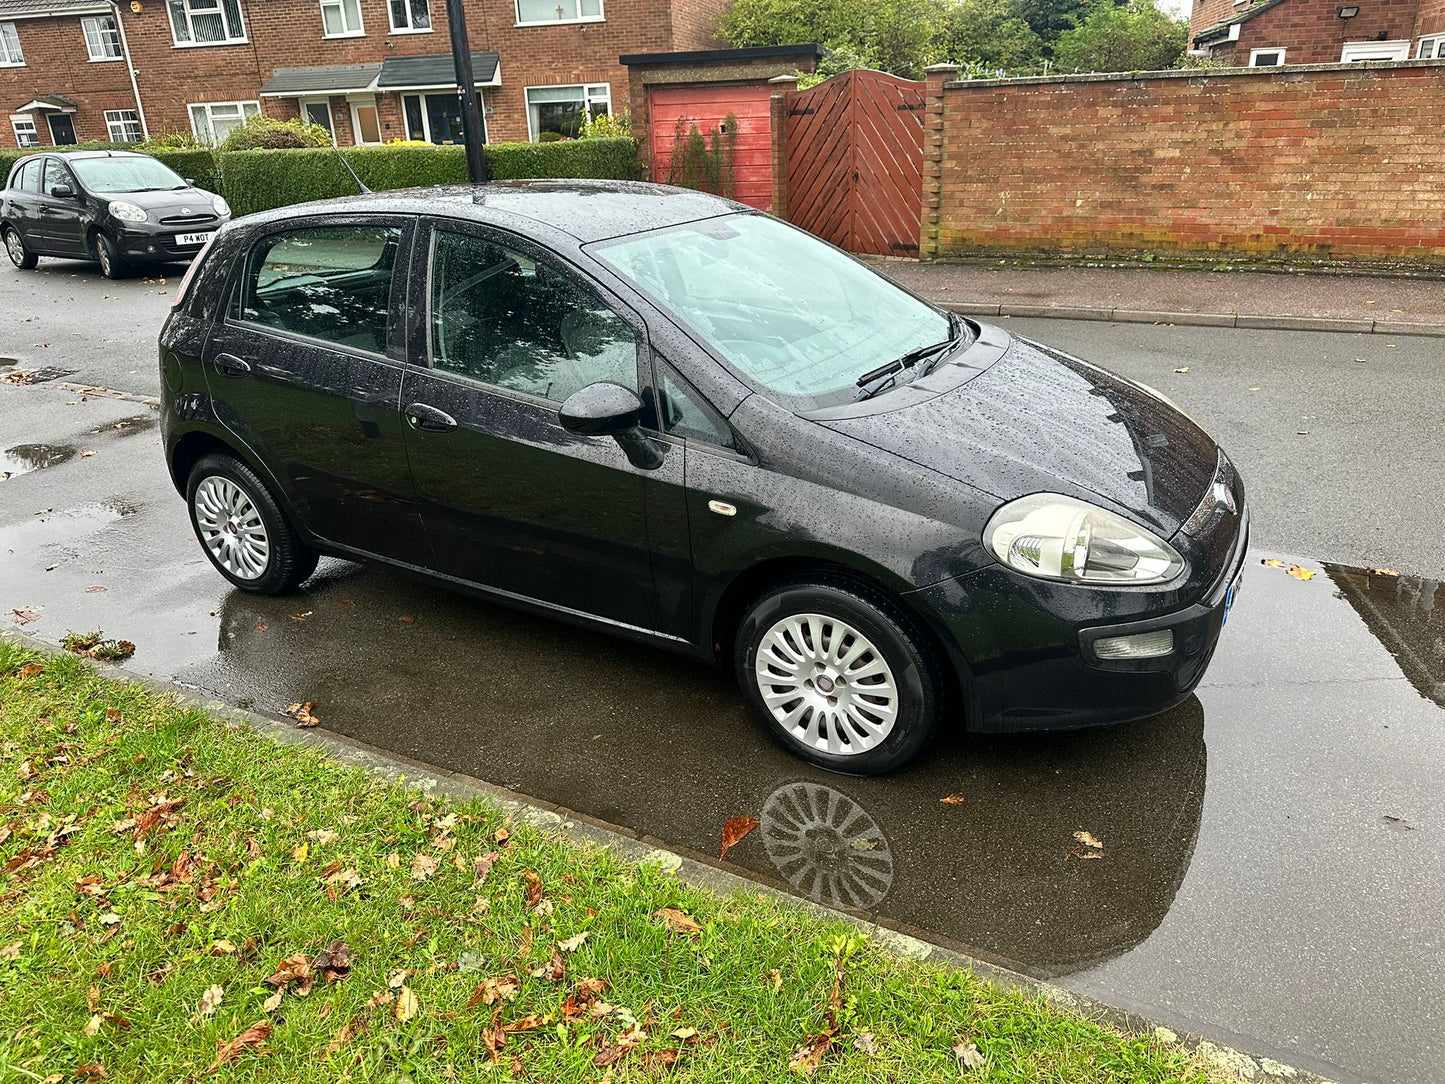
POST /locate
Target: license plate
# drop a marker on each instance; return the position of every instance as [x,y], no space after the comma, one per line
[192,238]
[1229,599]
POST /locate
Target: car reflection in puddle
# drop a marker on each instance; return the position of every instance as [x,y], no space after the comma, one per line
[1407,615]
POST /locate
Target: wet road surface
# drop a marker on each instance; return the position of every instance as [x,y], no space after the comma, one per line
[1272,865]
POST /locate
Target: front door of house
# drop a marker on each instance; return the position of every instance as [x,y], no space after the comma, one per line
[62,129]
[319,113]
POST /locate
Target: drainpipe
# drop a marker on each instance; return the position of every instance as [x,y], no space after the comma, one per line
[140,110]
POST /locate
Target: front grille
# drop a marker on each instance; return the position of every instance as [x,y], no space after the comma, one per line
[187,220]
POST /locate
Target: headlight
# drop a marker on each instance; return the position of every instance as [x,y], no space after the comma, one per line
[126,212]
[222,207]
[1060,538]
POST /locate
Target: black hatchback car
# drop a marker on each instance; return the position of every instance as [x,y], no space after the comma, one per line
[117,207]
[664,415]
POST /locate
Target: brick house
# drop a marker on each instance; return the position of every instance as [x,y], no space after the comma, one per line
[369,70]
[1267,33]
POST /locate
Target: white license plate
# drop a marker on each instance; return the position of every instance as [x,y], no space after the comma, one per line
[192,238]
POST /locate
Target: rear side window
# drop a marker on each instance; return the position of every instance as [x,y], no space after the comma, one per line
[330,282]
[29,178]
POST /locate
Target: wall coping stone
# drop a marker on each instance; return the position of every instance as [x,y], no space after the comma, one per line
[1283,71]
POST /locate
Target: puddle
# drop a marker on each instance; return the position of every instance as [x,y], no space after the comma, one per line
[9,363]
[126,427]
[24,458]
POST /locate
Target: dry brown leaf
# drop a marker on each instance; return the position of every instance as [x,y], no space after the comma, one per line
[968,1055]
[572,944]
[211,1000]
[482,865]
[1088,839]
[733,832]
[345,1035]
[253,1038]
[335,963]
[294,969]
[532,889]
[809,1056]
[494,1036]
[777,977]
[1301,573]
[678,921]
[407,619]
[31,669]
[222,948]
[304,713]
[272,1003]
[554,970]
[23,615]
[865,1043]
[407,1004]
[302,616]
[526,1023]
[952,799]
[491,991]
[422,867]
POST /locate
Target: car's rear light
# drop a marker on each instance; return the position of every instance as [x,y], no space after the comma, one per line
[185,286]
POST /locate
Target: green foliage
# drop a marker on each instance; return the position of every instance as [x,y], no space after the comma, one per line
[201,164]
[161,141]
[898,36]
[607,126]
[1133,36]
[258,180]
[705,161]
[262,132]
[990,37]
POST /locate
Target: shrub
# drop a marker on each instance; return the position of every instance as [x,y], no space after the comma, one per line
[169,141]
[705,162]
[607,126]
[262,132]
[200,164]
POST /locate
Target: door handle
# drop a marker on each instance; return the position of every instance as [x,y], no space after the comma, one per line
[230,365]
[422,416]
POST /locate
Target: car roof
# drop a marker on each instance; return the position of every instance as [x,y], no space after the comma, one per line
[74,155]
[586,210]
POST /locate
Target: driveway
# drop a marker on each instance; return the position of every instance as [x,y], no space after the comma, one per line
[1272,863]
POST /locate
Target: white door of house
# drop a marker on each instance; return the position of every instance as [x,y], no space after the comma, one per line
[318,111]
[365,121]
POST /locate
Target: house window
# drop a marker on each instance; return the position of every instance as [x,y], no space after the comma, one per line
[437,118]
[1355,51]
[561,110]
[317,111]
[26,134]
[102,39]
[10,54]
[1432,48]
[1266,58]
[410,16]
[341,18]
[536,12]
[214,121]
[123,125]
[206,22]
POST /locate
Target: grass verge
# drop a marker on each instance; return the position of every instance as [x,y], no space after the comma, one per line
[181,898]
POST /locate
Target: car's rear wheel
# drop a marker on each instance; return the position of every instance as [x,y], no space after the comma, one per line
[243,530]
[15,249]
[112,263]
[840,674]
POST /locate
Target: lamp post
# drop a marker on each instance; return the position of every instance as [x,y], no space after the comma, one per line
[477,169]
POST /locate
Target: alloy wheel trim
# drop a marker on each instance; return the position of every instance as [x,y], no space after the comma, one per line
[826,684]
[231,527]
[103,255]
[14,247]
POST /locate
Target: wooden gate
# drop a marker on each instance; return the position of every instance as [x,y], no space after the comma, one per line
[855,162]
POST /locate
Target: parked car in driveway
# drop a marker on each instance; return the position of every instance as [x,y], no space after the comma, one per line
[117,207]
[662,414]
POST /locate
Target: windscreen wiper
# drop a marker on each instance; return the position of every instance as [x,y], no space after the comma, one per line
[875,380]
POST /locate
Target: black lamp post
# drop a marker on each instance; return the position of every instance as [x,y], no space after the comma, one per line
[477,168]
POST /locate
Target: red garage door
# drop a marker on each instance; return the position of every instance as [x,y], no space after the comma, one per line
[674,110]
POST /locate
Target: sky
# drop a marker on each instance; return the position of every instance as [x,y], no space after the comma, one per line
[1175,7]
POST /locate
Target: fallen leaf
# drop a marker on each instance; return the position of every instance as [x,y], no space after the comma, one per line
[501,835]
[554,970]
[295,969]
[272,1003]
[10,951]
[1301,573]
[222,948]
[380,998]
[302,616]
[952,799]
[865,1042]
[92,1027]
[31,669]
[1182,369]
[253,1038]
[733,832]
[335,963]
[1271,562]
[809,1055]
[397,978]
[491,991]
[86,454]
[303,713]
[23,615]
[323,835]
[494,1036]
[968,1055]
[482,865]
[678,921]
[300,852]
[526,1023]
[1372,571]
[210,1000]
[684,1034]
[532,889]
[777,978]
[407,619]
[422,867]
[1088,839]
[345,603]
[572,944]
[407,1004]
[345,1035]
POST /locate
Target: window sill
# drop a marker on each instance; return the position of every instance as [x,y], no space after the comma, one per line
[348,34]
[424,30]
[209,44]
[105,59]
[7,64]
[564,22]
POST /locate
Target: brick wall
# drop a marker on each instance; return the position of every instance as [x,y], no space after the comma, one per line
[1339,162]
[56,62]
[1431,17]
[1311,31]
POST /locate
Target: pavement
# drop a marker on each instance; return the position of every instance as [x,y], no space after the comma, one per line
[1274,854]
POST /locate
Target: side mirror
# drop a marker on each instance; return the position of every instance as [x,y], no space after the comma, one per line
[600,410]
[62,191]
[190,181]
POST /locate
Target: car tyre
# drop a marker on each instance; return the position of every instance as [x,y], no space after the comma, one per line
[16,250]
[112,263]
[840,674]
[242,529]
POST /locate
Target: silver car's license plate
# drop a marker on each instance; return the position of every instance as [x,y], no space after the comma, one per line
[192,238]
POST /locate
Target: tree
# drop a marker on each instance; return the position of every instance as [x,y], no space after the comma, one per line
[898,36]
[991,35]
[1133,36]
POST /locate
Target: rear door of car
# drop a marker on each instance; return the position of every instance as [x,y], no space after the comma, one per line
[61,216]
[305,368]
[23,208]
[505,331]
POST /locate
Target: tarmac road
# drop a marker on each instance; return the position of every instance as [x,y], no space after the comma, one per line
[1272,866]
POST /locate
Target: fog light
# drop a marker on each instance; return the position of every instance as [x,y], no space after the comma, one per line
[1142,645]
[150,248]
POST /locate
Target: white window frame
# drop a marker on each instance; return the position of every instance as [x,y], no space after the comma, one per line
[359,31]
[98,36]
[1432,47]
[1255,54]
[408,28]
[11,55]
[303,103]
[600,17]
[123,119]
[209,135]
[587,100]
[234,35]
[426,117]
[1352,51]
[17,120]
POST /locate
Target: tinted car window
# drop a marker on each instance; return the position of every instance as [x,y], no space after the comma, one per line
[30,175]
[684,414]
[56,174]
[508,320]
[331,283]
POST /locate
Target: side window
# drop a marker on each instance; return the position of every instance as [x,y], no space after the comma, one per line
[56,174]
[505,319]
[30,175]
[328,282]
[685,415]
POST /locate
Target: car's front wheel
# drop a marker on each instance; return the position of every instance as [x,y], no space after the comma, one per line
[243,530]
[840,674]
[112,263]
[15,249]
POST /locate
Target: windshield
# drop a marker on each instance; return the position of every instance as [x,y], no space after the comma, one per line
[794,317]
[125,174]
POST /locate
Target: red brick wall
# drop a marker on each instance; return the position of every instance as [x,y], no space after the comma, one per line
[1340,163]
[56,62]
[1312,32]
[694,23]
[1431,17]
[1206,13]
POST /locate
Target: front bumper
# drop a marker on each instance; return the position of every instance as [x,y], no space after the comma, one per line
[154,242]
[1023,648]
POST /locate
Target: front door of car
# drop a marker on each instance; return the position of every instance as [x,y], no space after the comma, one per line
[511,499]
[61,216]
[304,368]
